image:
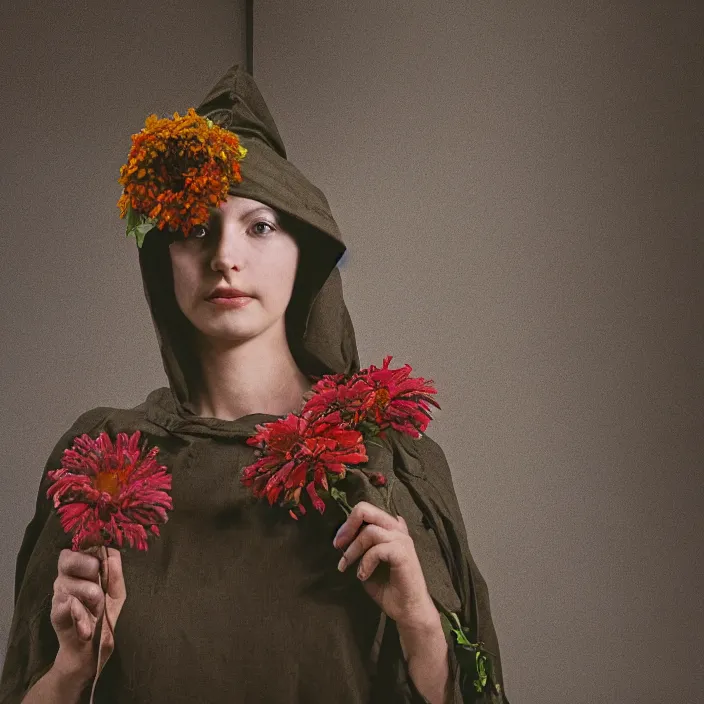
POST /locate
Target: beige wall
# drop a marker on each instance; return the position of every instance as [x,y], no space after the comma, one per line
[520,185]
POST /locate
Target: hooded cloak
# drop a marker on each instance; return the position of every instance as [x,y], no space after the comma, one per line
[237,602]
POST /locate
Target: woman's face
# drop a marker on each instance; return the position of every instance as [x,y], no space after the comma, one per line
[243,248]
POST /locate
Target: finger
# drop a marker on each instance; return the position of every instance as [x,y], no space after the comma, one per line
[116,580]
[82,620]
[89,593]
[79,565]
[61,617]
[392,553]
[363,512]
[369,535]
[404,525]
[69,615]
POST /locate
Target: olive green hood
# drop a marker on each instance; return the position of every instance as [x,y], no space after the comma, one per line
[319,328]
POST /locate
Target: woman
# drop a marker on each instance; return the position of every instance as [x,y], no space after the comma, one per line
[236,602]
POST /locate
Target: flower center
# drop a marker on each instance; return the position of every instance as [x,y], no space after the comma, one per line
[382,398]
[110,482]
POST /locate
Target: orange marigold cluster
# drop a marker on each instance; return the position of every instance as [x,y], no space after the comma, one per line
[177,169]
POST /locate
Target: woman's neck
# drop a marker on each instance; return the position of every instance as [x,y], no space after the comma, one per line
[256,376]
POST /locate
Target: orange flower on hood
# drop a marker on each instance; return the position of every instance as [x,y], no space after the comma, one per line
[177,169]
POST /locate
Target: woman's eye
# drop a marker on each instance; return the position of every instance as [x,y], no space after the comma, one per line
[199,232]
[262,222]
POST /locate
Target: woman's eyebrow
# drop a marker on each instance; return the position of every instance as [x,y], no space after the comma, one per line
[216,213]
[261,209]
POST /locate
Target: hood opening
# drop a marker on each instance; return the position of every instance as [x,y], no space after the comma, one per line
[316,307]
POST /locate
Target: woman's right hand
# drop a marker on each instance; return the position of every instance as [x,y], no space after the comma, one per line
[77,606]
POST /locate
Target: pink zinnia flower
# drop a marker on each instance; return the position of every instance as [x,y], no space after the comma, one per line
[298,453]
[109,494]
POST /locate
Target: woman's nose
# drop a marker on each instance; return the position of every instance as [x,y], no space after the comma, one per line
[228,252]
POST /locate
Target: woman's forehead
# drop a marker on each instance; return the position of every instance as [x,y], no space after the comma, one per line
[240,206]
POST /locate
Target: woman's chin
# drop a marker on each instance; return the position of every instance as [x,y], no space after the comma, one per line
[229,333]
[231,326]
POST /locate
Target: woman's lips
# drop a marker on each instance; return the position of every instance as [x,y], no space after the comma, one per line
[231,302]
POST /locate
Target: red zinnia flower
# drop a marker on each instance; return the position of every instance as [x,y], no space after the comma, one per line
[333,393]
[341,412]
[395,399]
[298,452]
[108,494]
[381,398]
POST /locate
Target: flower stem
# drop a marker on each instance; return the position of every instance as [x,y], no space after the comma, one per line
[341,499]
[104,576]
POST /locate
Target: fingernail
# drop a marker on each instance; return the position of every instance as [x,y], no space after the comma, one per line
[360,573]
[342,564]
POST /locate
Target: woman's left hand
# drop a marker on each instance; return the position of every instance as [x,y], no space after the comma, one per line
[398,586]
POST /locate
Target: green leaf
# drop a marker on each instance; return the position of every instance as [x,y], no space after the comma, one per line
[368,429]
[480,682]
[138,225]
[459,631]
[139,232]
[472,658]
[132,218]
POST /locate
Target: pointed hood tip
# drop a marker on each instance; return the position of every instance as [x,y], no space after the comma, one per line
[236,103]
